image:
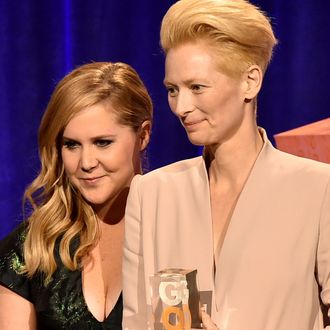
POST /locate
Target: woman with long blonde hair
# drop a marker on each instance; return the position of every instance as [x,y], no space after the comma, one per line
[61,268]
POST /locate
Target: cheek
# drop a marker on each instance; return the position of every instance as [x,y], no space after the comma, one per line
[227,103]
[69,163]
[119,160]
[130,160]
[172,103]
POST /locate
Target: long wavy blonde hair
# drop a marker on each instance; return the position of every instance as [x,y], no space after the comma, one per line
[239,32]
[60,214]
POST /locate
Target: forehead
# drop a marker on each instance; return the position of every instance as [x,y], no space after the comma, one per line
[98,117]
[189,61]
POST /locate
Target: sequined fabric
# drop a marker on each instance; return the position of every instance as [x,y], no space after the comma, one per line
[61,304]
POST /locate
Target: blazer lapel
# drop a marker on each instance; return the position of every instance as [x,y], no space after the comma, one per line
[242,218]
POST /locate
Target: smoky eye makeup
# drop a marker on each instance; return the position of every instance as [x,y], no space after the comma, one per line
[69,143]
[103,143]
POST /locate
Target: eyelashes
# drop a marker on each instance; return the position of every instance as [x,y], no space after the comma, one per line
[103,143]
[195,88]
[100,143]
[70,144]
[172,91]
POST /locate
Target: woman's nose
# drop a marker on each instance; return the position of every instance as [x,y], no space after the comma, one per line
[88,159]
[183,104]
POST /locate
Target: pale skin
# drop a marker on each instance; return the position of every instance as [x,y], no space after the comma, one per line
[217,112]
[100,158]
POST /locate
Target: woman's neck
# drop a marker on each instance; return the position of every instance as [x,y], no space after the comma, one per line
[113,212]
[231,161]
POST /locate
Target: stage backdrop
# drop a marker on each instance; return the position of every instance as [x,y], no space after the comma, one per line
[41,41]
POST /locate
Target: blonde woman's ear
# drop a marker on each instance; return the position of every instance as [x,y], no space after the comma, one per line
[253,82]
[145,131]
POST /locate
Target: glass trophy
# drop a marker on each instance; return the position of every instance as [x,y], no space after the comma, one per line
[175,300]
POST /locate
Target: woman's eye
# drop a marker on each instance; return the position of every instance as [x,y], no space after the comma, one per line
[70,144]
[197,88]
[171,91]
[103,143]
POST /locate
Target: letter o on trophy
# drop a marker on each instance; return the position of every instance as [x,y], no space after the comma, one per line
[178,313]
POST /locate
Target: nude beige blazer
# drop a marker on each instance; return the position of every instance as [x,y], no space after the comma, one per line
[273,271]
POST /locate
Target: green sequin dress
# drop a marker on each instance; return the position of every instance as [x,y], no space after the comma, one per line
[61,304]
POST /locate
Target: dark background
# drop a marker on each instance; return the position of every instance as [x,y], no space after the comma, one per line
[41,41]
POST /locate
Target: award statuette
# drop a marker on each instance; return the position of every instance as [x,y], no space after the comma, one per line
[175,300]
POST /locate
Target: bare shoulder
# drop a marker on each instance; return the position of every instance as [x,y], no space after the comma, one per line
[16,312]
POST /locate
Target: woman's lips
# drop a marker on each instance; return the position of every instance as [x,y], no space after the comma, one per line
[191,124]
[92,179]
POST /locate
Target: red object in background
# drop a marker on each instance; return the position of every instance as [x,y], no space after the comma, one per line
[309,141]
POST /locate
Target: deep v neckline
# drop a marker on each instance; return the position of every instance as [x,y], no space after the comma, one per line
[107,317]
[101,284]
